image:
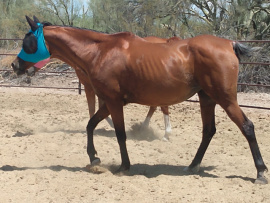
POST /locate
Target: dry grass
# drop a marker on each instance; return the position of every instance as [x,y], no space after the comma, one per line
[256,74]
[5,61]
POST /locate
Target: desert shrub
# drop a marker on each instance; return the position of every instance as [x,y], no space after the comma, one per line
[256,74]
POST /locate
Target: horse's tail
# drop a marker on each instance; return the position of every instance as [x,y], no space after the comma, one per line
[241,50]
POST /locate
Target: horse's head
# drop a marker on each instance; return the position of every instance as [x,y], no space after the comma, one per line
[34,48]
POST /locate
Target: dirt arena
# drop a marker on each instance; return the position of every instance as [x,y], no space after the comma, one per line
[43,153]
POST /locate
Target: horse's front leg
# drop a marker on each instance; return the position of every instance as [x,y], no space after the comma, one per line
[99,116]
[117,114]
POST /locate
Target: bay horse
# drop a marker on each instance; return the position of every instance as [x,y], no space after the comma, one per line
[90,95]
[124,68]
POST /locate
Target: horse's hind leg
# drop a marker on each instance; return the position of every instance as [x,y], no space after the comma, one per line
[168,128]
[207,106]
[90,96]
[149,116]
[99,116]
[247,128]
[109,121]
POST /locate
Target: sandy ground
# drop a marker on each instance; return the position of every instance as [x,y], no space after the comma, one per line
[43,153]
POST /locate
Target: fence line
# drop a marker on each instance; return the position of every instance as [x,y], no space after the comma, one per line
[41,87]
[8,54]
[249,41]
[244,106]
[80,89]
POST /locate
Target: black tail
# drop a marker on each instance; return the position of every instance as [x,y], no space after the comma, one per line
[241,50]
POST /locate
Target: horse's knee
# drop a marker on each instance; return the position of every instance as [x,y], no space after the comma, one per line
[248,130]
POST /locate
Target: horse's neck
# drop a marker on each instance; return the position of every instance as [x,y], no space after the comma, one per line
[71,45]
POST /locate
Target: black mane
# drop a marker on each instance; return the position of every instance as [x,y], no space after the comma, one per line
[45,23]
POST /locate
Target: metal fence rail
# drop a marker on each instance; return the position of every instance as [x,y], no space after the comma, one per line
[80,89]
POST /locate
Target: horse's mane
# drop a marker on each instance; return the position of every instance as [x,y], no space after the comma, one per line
[45,23]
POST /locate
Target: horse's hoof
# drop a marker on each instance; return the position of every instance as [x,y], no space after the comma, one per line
[194,169]
[187,169]
[95,162]
[165,139]
[261,181]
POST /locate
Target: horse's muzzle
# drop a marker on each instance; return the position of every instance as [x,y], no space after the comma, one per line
[16,68]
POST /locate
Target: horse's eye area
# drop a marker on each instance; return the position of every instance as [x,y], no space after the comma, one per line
[30,43]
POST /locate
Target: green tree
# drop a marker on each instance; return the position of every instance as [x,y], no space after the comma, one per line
[65,12]
[12,18]
[144,18]
[250,19]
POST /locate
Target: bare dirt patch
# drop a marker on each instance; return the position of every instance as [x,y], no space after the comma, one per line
[44,159]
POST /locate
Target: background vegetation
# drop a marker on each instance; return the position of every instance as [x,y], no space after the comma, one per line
[233,19]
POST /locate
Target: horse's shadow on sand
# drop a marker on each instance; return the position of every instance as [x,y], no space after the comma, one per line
[53,168]
[149,171]
[152,171]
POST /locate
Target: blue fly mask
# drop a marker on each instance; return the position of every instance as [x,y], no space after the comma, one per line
[42,51]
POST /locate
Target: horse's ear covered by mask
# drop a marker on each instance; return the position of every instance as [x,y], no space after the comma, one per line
[34,26]
[36,20]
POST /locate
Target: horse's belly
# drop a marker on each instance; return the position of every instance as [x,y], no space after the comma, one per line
[163,96]
[159,88]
